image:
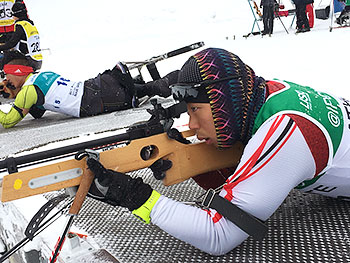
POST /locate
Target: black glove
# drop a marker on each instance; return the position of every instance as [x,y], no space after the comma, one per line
[116,188]
[159,168]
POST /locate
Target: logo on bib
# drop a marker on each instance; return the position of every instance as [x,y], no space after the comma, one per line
[333,114]
[304,99]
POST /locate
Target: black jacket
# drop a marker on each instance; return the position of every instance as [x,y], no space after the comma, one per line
[305,2]
[267,3]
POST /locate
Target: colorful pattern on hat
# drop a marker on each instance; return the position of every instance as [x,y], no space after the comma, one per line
[234,103]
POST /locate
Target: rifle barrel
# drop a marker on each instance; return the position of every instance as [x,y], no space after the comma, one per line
[33,157]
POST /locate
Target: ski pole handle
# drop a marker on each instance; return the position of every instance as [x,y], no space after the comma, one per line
[83,189]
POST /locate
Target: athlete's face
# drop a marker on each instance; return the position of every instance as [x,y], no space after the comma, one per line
[201,120]
[15,81]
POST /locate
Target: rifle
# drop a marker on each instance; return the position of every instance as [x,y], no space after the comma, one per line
[151,63]
[143,144]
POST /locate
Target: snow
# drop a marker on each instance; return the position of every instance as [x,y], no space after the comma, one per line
[83,38]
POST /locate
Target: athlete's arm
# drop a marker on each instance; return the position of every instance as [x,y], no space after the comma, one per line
[36,112]
[265,180]
[25,99]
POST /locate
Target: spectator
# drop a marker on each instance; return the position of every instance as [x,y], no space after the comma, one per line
[7,23]
[310,14]
[302,20]
[25,41]
[344,17]
[268,15]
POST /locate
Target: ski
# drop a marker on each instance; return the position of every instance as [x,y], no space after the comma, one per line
[301,32]
[257,9]
[337,27]
[252,34]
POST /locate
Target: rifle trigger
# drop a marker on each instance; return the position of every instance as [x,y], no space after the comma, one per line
[146,152]
[177,136]
[88,153]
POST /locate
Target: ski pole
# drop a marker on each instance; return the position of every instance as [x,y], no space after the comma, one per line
[80,196]
[25,240]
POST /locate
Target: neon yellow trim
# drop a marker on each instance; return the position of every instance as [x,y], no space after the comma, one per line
[10,119]
[27,97]
[28,28]
[143,212]
[8,22]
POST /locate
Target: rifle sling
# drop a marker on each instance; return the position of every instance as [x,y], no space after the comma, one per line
[248,223]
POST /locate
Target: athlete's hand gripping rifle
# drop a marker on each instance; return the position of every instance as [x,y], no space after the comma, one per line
[144,143]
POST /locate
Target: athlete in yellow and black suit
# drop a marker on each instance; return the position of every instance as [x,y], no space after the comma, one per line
[25,41]
[7,23]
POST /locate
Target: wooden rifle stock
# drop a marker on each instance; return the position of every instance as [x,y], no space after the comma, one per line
[188,160]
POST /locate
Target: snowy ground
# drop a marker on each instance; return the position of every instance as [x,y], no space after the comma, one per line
[82,38]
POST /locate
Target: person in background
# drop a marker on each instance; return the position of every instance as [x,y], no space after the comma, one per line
[344,17]
[294,137]
[268,15]
[302,20]
[34,93]
[25,41]
[310,14]
[7,23]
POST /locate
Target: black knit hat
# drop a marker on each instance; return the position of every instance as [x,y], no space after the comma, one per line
[19,10]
